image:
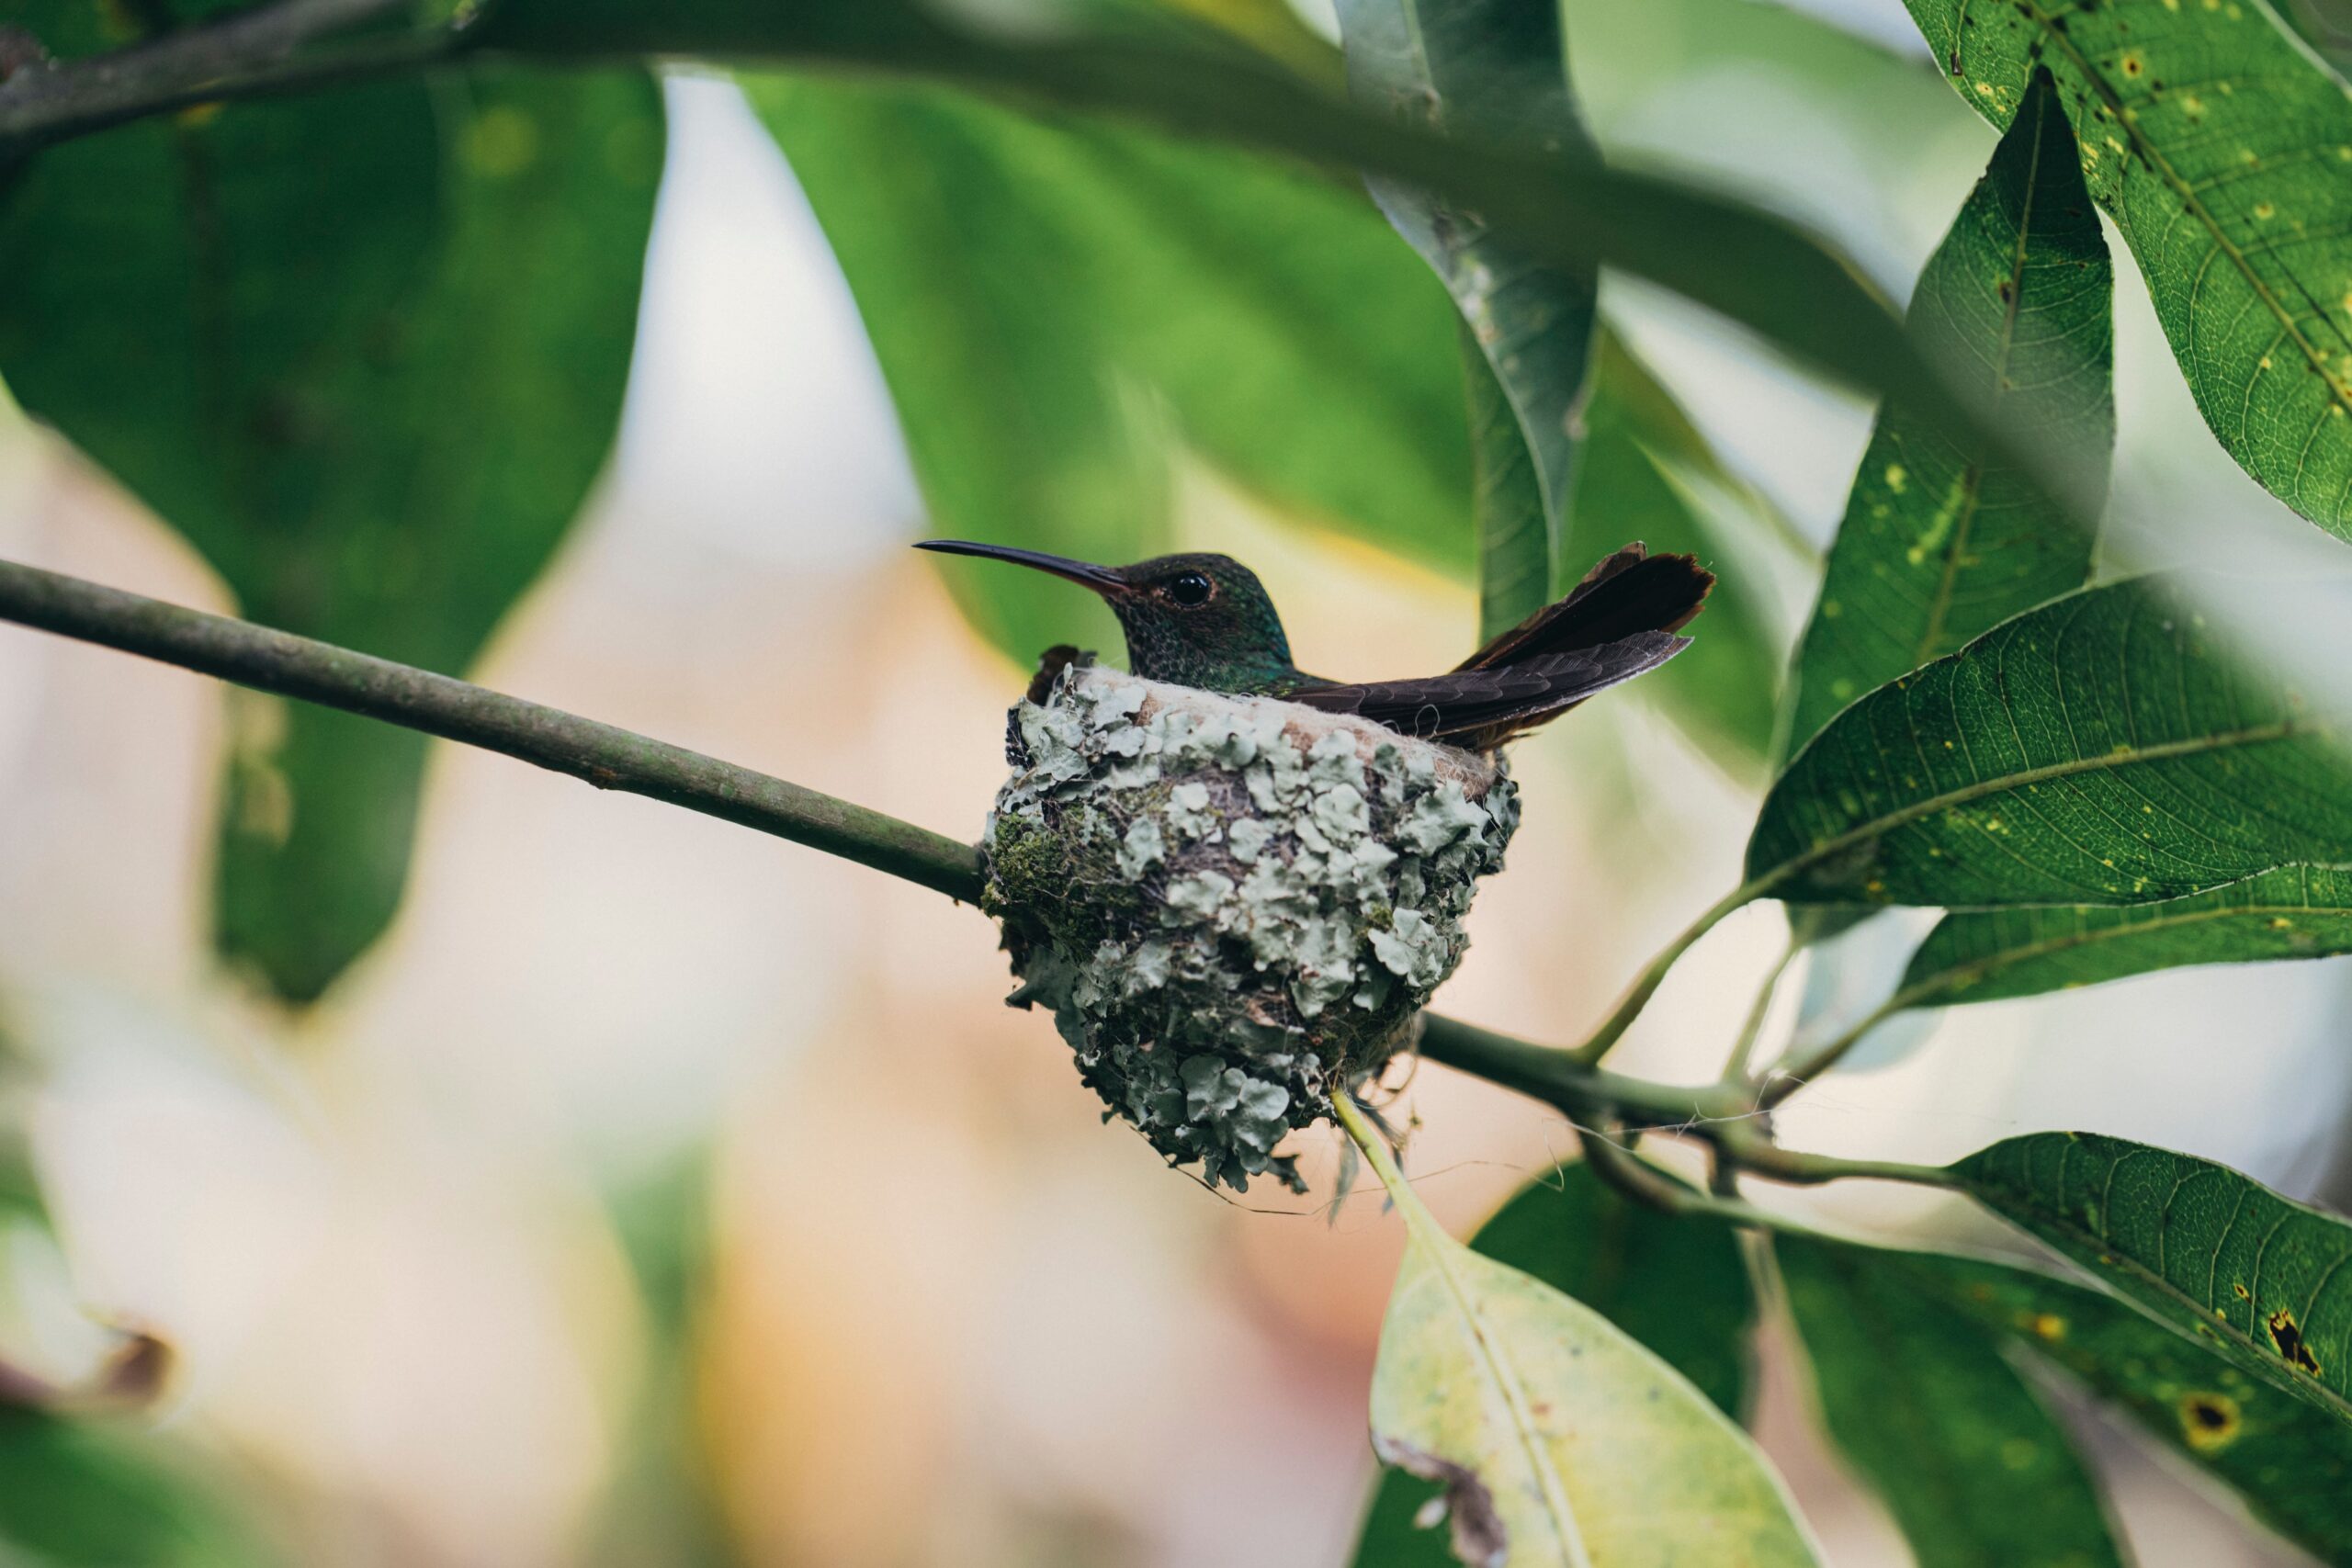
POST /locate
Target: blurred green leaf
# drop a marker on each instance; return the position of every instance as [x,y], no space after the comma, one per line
[1560,1439]
[77,1494]
[2299,912]
[2255,1278]
[1646,473]
[1049,299]
[366,350]
[1516,556]
[2102,748]
[1971,1463]
[1493,70]
[1937,548]
[2222,151]
[1677,1284]
[2292,1464]
[662,1504]
[1019,431]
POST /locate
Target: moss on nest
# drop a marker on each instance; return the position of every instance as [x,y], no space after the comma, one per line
[1231,903]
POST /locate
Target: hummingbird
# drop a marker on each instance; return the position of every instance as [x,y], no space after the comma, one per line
[1206,621]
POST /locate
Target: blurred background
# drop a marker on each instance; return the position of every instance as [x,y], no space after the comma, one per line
[657,1192]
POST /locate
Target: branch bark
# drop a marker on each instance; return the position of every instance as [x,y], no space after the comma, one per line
[601,754]
[612,758]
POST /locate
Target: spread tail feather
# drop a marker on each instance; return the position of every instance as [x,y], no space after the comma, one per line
[1629,591]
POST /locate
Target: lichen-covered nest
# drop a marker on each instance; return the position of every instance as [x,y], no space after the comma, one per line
[1231,903]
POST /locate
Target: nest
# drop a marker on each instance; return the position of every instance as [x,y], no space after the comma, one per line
[1231,905]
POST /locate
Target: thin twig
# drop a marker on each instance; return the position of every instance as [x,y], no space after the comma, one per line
[603,754]
[1612,1028]
[1736,1068]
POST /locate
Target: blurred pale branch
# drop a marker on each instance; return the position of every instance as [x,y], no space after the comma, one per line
[1564,207]
[613,758]
[602,754]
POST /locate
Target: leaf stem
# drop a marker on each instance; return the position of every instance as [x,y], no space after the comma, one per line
[1735,1067]
[1645,985]
[602,754]
[1785,1080]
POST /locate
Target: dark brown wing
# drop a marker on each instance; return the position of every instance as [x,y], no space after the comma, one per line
[1630,592]
[1484,707]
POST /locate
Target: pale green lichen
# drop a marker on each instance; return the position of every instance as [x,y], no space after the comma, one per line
[1231,903]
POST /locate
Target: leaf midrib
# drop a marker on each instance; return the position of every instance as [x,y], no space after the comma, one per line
[1829,848]
[1973,479]
[2124,1263]
[1501,1374]
[2008,958]
[2181,188]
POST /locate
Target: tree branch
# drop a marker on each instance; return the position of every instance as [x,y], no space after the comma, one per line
[266,49]
[602,754]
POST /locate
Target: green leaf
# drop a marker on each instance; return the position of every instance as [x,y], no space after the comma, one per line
[1560,1439]
[2299,912]
[2223,152]
[1677,1284]
[1017,430]
[1646,473]
[77,1494]
[381,342]
[1937,548]
[1298,346]
[2103,749]
[1047,300]
[1493,70]
[2260,1280]
[2292,1464]
[1515,565]
[1974,1467]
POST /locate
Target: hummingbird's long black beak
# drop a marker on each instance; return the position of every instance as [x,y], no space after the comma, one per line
[1102,579]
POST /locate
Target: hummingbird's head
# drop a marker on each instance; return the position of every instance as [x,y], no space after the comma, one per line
[1194,620]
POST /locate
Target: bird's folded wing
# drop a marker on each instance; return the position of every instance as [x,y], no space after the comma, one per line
[1496,700]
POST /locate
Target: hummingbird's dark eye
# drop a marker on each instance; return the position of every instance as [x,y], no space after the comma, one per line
[1190,589]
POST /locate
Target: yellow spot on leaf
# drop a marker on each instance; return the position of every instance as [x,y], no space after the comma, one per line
[504,142]
[2210,1421]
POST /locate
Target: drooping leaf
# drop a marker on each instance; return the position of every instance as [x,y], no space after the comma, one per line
[366,350]
[1937,548]
[1039,293]
[1297,345]
[1018,432]
[1645,472]
[1973,1466]
[2259,1279]
[2223,152]
[1494,69]
[2290,1462]
[1677,1284]
[1559,1438]
[1514,534]
[2104,748]
[2299,912]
